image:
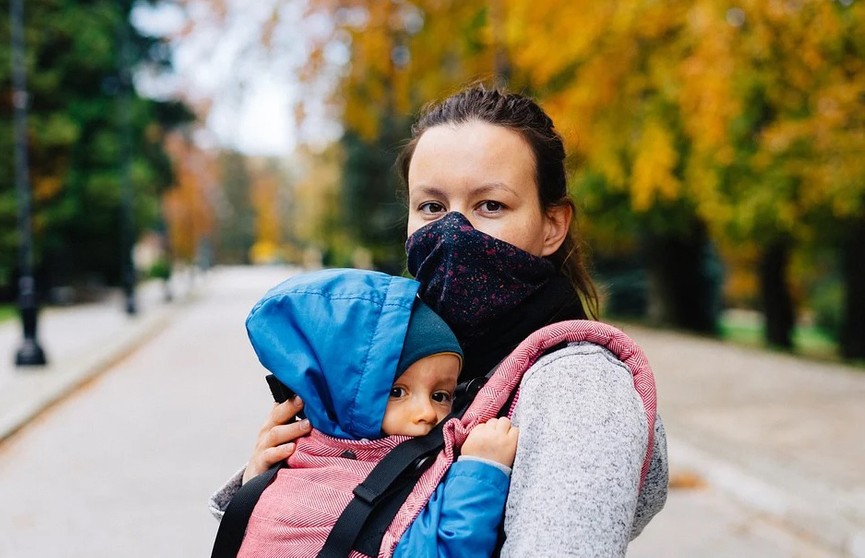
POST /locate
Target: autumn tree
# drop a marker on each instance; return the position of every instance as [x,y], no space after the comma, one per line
[270,201]
[802,70]
[190,205]
[708,120]
[316,215]
[610,76]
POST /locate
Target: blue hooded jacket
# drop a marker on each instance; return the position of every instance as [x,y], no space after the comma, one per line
[335,337]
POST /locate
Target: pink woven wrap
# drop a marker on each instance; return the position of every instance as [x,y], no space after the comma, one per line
[295,514]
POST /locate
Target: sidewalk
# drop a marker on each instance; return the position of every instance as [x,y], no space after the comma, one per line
[80,341]
[781,434]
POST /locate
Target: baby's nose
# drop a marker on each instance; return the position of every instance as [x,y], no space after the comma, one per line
[425,412]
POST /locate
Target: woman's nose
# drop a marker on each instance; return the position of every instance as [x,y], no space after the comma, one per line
[464,213]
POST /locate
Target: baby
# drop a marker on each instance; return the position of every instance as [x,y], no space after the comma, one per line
[373,365]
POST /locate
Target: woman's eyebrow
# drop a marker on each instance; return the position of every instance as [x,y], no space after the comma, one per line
[430,191]
[493,186]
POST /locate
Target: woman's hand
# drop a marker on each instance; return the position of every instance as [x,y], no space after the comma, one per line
[495,440]
[276,438]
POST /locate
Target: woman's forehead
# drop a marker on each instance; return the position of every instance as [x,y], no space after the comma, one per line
[475,153]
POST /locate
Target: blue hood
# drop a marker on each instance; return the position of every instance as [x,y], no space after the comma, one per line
[334,337]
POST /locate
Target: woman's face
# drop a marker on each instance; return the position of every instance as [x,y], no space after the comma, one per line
[487,173]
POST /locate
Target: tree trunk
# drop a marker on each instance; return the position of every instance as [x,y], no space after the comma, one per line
[852,341]
[777,302]
[684,281]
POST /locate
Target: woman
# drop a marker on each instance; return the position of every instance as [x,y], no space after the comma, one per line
[491,240]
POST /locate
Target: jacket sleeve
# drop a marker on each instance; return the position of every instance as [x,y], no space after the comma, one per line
[462,517]
[583,436]
[653,496]
[219,500]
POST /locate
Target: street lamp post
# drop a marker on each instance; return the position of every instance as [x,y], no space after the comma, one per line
[30,353]
[127,214]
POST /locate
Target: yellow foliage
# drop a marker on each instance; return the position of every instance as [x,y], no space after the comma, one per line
[654,168]
[707,101]
[741,287]
[763,96]
[265,203]
[263,252]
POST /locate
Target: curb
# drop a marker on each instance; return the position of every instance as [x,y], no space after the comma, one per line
[815,513]
[36,390]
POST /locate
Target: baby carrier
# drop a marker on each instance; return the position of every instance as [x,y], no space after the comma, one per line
[383,484]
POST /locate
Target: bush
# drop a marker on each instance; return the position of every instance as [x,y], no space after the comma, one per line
[827,304]
[161,269]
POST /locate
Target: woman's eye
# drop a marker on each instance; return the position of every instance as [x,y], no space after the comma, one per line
[491,206]
[441,397]
[431,208]
[397,392]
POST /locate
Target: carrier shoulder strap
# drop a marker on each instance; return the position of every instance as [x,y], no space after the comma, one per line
[232,528]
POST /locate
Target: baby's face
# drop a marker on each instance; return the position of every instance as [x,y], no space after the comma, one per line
[422,396]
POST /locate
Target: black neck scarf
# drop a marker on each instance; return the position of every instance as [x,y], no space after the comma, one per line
[555,301]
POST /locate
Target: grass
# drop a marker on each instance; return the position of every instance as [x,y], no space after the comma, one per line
[808,340]
[8,312]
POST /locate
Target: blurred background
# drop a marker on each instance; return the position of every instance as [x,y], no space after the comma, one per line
[716,146]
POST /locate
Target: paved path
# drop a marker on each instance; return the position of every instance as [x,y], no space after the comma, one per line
[79,342]
[123,465]
[780,434]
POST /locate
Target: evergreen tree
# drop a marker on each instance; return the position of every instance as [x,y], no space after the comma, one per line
[78,125]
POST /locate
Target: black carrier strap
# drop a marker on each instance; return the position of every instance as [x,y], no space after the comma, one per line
[378,498]
[232,528]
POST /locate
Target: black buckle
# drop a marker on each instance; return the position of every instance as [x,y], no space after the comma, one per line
[365,494]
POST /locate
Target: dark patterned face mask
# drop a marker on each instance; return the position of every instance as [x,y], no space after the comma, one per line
[470,278]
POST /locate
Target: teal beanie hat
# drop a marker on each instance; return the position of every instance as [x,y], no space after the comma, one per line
[427,335]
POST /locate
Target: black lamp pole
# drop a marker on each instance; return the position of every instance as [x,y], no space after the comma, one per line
[30,353]
[127,215]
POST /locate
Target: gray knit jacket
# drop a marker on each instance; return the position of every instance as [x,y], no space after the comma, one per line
[575,481]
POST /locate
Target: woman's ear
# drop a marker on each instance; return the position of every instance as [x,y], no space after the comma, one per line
[558,223]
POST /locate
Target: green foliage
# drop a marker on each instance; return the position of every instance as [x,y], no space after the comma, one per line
[8,312]
[827,305]
[161,269]
[79,118]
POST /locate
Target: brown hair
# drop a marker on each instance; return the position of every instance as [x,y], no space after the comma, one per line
[522,115]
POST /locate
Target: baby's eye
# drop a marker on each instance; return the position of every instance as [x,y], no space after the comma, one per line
[397,392]
[431,208]
[441,397]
